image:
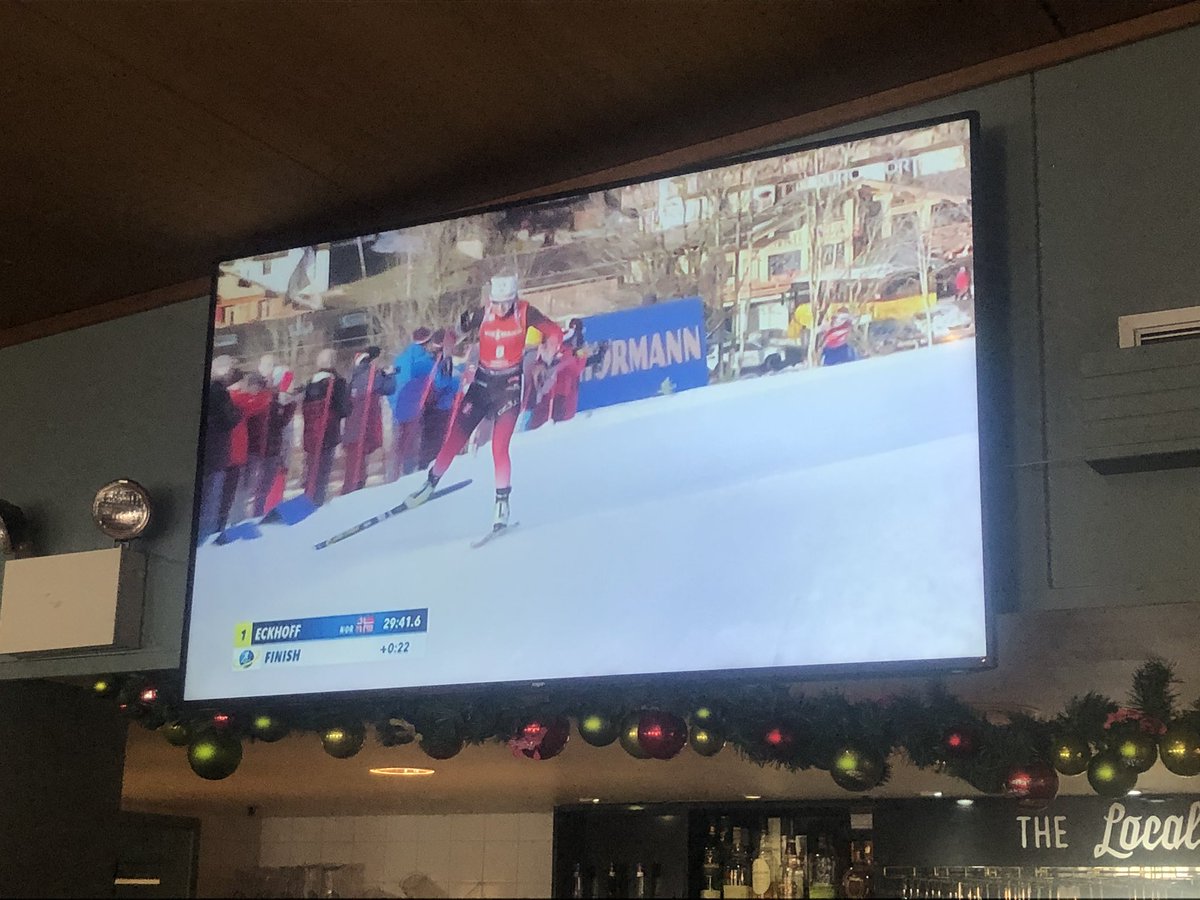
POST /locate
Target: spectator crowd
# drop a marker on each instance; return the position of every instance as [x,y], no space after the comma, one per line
[256,421]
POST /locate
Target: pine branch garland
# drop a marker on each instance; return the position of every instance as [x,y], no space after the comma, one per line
[775,725]
[1085,716]
[1151,693]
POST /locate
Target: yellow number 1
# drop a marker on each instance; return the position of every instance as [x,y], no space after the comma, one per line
[241,634]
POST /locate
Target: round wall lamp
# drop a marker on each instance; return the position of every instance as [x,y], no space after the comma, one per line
[122,509]
[14,532]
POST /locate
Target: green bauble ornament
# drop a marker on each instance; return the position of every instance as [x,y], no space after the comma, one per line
[1070,754]
[343,741]
[598,729]
[705,741]
[1109,776]
[104,687]
[856,770]
[629,737]
[1179,748]
[1138,750]
[178,734]
[703,716]
[215,756]
[442,739]
[153,718]
[268,728]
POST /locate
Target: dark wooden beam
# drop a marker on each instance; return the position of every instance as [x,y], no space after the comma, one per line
[937,87]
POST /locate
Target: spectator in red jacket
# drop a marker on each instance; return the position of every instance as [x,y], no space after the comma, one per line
[279,441]
[576,357]
[962,284]
[247,445]
[362,433]
[553,383]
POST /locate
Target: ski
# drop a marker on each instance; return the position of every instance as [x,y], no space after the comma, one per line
[491,535]
[394,511]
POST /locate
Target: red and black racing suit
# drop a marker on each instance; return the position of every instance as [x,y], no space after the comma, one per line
[495,392]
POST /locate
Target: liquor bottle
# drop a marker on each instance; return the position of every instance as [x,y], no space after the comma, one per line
[803,870]
[857,880]
[787,873]
[710,867]
[614,889]
[577,882]
[760,868]
[823,871]
[737,876]
[775,847]
[641,888]
[725,842]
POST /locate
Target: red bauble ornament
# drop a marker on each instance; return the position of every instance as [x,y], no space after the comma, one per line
[541,738]
[778,738]
[1033,784]
[960,742]
[222,721]
[661,734]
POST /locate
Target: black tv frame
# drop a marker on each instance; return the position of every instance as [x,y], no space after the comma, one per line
[996,500]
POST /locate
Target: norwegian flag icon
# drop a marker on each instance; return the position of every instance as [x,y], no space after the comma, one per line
[364,625]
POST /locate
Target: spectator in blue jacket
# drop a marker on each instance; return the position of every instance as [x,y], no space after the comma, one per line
[414,372]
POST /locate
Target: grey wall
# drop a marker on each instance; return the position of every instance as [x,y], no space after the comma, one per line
[116,400]
[1120,233]
[1092,187]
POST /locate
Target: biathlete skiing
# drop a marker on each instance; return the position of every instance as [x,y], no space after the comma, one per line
[495,390]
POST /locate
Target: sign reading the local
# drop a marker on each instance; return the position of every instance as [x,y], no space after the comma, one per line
[1071,831]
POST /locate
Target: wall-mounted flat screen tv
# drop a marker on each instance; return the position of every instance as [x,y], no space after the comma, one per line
[724,420]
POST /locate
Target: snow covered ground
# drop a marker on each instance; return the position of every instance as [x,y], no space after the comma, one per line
[807,517]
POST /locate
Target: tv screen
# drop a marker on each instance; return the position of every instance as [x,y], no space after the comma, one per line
[724,420]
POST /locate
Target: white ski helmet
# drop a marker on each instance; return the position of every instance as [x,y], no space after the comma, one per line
[503,290]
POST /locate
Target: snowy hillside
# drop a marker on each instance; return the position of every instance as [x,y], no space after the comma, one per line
[803,518]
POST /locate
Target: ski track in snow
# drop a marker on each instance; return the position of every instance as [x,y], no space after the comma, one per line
[808,517]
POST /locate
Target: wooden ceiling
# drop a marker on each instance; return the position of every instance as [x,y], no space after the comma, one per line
[143,141]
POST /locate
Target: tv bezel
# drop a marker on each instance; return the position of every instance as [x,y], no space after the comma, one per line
[990,388]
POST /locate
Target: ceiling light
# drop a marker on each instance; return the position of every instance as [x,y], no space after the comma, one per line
[965,801]
[636,807]
[753,796]
[1133,793]
[931,793]
[405,771]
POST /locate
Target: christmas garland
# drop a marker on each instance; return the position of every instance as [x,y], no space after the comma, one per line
[768,725]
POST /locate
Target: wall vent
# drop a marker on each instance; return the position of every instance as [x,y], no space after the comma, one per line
[1159,327]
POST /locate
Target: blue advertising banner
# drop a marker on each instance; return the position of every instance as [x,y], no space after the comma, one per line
[652,350]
